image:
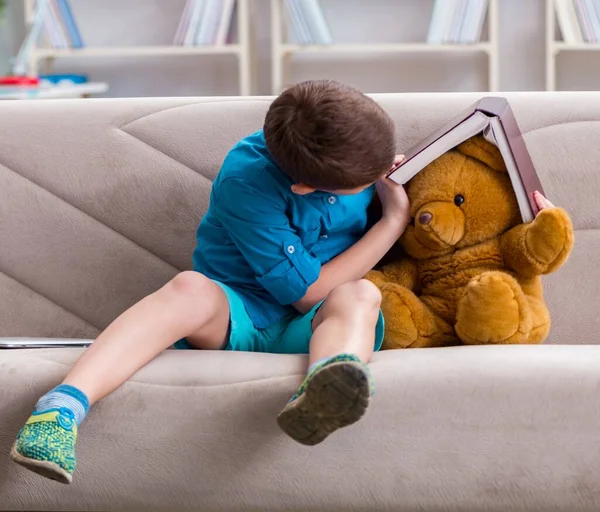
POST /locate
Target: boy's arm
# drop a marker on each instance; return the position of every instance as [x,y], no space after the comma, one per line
[356,261]
[260,229]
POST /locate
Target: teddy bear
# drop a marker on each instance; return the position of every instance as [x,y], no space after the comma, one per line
[470,271]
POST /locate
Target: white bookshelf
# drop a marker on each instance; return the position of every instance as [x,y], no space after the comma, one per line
[555,47]
[242,50]
[282,52]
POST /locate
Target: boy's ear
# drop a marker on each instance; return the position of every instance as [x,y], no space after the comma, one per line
[301,189]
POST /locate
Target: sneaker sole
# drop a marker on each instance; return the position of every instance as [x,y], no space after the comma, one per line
[335,397]
[44,468]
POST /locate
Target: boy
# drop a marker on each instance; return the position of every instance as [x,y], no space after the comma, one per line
[278,267]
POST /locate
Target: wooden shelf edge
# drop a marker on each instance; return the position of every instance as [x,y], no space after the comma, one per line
[560,46]
[385,48]
[137,51]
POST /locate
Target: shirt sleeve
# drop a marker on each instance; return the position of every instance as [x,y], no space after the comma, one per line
[259,227]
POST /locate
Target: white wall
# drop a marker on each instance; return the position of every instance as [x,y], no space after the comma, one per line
[118,22]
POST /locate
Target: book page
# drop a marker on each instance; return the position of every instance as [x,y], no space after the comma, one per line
[470,127]
[495,134]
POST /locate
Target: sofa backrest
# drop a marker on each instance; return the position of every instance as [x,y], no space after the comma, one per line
[100,199]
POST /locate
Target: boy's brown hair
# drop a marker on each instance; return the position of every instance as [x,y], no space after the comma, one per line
[329,136]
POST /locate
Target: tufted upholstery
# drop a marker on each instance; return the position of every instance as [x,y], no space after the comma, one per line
[99,202]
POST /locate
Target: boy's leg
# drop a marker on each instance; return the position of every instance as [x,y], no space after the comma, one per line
[189,306]
[338,387]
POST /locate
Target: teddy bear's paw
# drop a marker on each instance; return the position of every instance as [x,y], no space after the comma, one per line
[376,277]
[549,239]
[493,310]
[409,323]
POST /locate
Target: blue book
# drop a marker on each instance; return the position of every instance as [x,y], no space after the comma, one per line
[67,15]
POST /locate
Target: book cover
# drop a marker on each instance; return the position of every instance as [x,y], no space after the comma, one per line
[225,22]
[493,117]
[71,25]
[594,20]
[567,21]
[439,14]
[468,22]
[300,23]
[49,35]
[209,22]
[195,17]
[458,21]
[584,20]
[596,6]
[316,23]
[481,14]
[473,25]
[59,25]
[184,22]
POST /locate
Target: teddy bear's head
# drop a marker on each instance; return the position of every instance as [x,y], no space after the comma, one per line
[463,198]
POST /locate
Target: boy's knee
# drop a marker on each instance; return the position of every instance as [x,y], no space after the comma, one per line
[188,284]
[361,293]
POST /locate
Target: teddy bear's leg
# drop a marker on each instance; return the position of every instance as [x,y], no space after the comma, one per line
[494,309]
[410,323]
[540,320]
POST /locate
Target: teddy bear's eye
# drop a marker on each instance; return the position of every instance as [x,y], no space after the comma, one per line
[458,199]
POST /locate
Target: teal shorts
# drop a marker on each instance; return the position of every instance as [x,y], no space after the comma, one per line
[290,335]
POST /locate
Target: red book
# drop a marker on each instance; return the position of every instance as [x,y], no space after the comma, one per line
[492,117]
[19,80]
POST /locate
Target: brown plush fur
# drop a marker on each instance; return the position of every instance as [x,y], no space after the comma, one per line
[472,273]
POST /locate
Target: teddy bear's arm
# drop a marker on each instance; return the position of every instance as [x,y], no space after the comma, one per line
[403,272]
[541,246]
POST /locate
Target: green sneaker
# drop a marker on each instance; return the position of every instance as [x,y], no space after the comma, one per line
[335,394]
[46,445]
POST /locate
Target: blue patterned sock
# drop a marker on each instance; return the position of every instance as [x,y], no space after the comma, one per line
[65,396]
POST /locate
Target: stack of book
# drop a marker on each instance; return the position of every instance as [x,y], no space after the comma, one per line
[457,21]
[205,22]
[59,26]
[579,20]
[307,22]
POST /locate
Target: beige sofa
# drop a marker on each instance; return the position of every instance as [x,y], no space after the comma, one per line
[99,202]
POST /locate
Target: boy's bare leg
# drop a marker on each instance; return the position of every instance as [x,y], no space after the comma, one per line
[189,306]
[338,387]
[345,323]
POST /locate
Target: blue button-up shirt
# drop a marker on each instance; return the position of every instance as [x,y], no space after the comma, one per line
[266,242]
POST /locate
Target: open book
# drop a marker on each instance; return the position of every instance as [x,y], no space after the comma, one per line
[492,117]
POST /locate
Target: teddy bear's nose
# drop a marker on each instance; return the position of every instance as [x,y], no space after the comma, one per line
[425,218]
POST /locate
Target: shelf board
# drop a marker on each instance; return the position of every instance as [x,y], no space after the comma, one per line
[137,51]
[561,46]
[385,48]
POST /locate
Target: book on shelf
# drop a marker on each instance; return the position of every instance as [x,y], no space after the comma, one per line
[494,118]
[457,21]
[307,23]
[59,26]
[205,22]
[578,20]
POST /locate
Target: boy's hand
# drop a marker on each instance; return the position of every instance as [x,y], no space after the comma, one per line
[541,201]
[396,207]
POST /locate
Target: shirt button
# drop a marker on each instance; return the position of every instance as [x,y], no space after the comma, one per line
[291,249]
[331,199]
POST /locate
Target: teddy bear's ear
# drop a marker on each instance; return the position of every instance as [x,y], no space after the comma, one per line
[480,149]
